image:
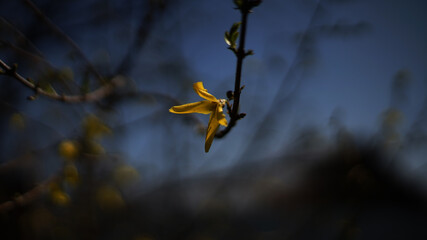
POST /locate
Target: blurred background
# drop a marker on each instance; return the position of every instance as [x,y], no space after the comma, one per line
[333,145]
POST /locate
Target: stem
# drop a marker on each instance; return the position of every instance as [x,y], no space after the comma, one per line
[66,38]
[240,56]
[95,95]
[234,115]
[27,198]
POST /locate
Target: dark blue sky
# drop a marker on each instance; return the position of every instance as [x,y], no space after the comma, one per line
[353,52]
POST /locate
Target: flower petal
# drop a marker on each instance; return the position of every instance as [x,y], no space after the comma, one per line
[220,116]
[204,107]
[202,92]
[212,128]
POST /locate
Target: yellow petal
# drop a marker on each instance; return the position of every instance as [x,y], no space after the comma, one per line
[199,89]
[212,128]
[204,107]
[220,116]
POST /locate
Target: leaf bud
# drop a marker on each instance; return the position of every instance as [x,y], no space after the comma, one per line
[230,95]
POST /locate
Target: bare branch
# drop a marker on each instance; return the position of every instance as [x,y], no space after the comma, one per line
[241,54]
[143,32]
[96,95]
[65,37]
[26,198]
[22,37]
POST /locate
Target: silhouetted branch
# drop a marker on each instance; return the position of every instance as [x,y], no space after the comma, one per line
[279,97]
[65,37]
[141,37]
[161,97]
[96,95]
[26,198]
[245,9]
[34,57]
[22,37]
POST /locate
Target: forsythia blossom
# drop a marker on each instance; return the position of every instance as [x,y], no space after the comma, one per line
[211,105]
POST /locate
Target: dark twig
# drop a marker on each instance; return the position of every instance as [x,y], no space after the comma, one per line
[65,37]
[245,9]
[141,38]
[36,58]
[22,37]
[28,197]
[95,95]
[278,98]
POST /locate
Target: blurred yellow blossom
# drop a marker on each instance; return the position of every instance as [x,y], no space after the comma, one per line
[94,148]
[59,197]
[109,198]
[68,149]
[71,174]
[17,121]
[94,127]
[125,174]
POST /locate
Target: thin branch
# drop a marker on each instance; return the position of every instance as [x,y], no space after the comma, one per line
[241,54]
[95,95]
[143,32]
[34,57]
[28,197]
[166,99]
[278,97]
[65,37]
[22,37]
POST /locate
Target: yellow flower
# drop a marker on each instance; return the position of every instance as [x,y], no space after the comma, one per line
[211,105]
